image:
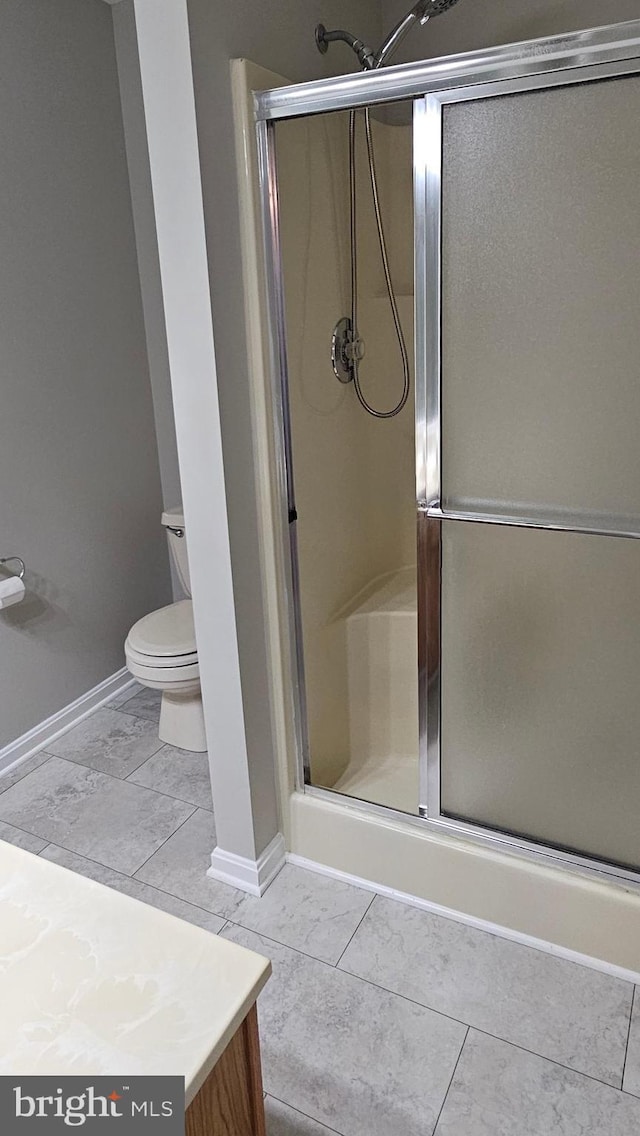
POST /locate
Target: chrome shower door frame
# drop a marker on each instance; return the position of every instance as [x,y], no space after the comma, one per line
[584,56]
[428,152]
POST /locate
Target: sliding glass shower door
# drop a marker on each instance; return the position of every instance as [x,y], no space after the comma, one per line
[350,490]
[525,725]
[532,501]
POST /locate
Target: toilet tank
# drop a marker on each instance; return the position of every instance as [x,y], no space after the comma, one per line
[173,521]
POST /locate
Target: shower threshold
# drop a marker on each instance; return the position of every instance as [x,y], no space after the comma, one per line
[389,781]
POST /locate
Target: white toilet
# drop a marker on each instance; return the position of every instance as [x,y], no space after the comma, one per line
[161,653]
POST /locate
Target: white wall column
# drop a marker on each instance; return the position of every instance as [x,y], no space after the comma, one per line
[171,136]
[124,30]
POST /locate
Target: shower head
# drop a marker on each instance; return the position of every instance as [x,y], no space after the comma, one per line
[424,10]
[429,8]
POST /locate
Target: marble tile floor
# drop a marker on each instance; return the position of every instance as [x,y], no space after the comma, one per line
[380,1019]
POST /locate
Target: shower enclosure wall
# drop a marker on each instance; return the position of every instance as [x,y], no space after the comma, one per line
[460,584]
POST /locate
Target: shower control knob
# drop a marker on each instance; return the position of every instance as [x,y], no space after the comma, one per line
[354,350]
[341,343]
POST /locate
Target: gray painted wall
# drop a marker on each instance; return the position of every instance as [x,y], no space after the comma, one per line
[475,24]
[79,482]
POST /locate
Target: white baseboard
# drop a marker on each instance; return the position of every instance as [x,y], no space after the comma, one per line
[42,735]
[467,920]
[252,876]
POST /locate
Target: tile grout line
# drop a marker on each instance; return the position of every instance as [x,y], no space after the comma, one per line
[46,761]
[154,754]
[141,866]
[116,777]
[65,757]
[479,1029]
[230,923]
[163,793]
[430,1009]
[368,909]
[455,1067]
[626,1049]
[127,778]
[441,1013]
[18,827]
[475,923]
[305,1114]
[116,710]
[122,781]
[132,713]
[48,755]
[134,879]
[27,832]
[287,947]
[303,953]
[170,796]
[543,1057]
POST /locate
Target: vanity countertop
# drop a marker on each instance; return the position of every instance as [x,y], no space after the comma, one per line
[94,982]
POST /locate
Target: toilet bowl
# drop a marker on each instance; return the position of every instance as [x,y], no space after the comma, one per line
[161,653]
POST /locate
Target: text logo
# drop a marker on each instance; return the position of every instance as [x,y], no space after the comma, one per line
[139,1105]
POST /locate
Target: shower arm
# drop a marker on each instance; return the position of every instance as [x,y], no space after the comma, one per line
[369,60]
[365,54]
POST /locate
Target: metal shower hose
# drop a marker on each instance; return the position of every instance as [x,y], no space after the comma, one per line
[385,265]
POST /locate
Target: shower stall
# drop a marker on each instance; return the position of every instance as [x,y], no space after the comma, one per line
[461,579]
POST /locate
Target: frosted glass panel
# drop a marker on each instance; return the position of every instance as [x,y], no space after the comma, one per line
[541,686]
[541,300]
[353,474]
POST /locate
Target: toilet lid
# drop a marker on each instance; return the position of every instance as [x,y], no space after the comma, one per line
[166,632]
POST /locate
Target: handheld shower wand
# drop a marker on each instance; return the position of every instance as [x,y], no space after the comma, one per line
[347,345]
